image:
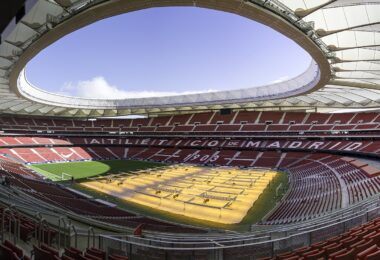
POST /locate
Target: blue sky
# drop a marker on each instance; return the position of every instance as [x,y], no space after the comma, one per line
[165,51]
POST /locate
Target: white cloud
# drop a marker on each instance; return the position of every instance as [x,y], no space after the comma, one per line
[98,87]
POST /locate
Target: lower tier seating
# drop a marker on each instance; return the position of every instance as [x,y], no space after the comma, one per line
[57,195]
[320,183]
[361,243]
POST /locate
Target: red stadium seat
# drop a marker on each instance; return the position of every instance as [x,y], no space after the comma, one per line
[364,254]
[343,254]
[373,256]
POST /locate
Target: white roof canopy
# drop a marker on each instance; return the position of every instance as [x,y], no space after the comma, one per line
[342,36]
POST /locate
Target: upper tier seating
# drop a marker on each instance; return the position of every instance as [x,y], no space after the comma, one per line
[160,121]
[249,117]
[294,118]
[201,118]
[219,118]
[317,118]
[272,117]
[259,120]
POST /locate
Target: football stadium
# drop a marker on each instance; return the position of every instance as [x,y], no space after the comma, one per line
[284,170]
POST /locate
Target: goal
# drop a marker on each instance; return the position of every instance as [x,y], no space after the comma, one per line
[66,176]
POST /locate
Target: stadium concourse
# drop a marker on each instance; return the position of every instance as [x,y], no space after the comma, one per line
[220,149]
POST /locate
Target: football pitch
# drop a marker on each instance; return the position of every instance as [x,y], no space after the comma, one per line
[221,195]
[81,170]
[144,203]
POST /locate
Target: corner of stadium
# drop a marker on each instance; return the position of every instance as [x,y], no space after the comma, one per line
[288,170]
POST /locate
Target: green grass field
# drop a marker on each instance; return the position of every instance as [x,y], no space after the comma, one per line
[80,170]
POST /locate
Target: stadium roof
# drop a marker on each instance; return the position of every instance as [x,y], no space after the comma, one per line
[342,36]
